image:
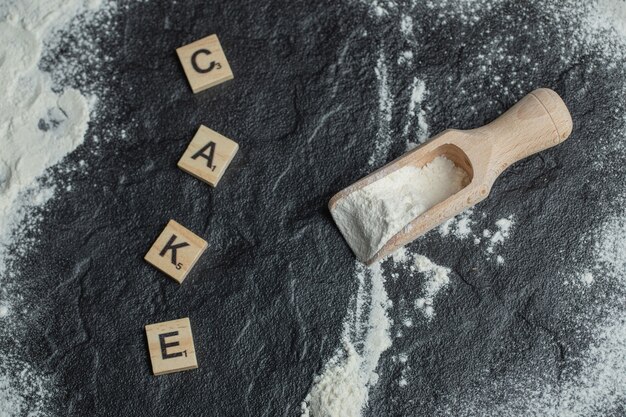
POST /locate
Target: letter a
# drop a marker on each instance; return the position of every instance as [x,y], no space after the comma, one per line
[208,156]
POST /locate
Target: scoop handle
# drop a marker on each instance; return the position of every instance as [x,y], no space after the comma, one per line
[538,121]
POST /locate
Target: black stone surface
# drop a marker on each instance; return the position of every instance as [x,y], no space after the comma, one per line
[268,298]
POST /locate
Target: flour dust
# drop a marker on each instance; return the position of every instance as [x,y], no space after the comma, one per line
[369,217]
[490,240]
[41,122]
[342,388]
[593,381]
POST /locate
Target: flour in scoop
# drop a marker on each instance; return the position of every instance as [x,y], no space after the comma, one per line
[371,216]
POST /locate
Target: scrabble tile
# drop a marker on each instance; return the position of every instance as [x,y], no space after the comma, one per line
[171,346]
[204,63]
[208,155]
[175,251]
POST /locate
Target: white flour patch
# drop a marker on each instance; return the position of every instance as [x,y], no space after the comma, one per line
[610,15]
[369,217]
[342,389]
[338,391]
[490,240]
[385,107]
[406,25]
[610,247]
[418,92]
[586,278]
[23,393]
[381,8]
[459,226]
[437,278]
[401,256]
[405,57]
[501,233]
[41,121]
[38,126]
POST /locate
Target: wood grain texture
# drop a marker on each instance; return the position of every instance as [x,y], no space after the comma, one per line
[176,251]
[216,151]
[204,63]
[171,347]
[538,121]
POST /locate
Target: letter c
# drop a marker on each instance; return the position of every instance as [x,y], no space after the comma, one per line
[194,64]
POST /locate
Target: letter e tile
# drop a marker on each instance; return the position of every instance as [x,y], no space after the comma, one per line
[171,346]
[175,251]
[208,155]
[204,63]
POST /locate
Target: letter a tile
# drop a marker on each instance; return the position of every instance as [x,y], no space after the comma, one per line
[208,155]
[204,63]
[171,346]
[175,251]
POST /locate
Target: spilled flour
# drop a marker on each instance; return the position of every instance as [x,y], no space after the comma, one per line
[342,389]
[339,390]
[40,123]
[490,239]
[371,216]
[592,381]
[582,382]
[459,226]
[437,279]
[416,115]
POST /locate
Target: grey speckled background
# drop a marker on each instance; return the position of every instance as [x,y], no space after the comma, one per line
[268,298]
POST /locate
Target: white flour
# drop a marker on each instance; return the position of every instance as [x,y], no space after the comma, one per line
[38,126]
[385,107]
[611,15]
[341,391]
[503,231]
[418,92]
[405,58]
[437,278]
[371,216]
[40,123]
[460,226]
[342,388]
[338,391]
[596,385]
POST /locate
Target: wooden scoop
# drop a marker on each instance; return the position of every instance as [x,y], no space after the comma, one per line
[538,121]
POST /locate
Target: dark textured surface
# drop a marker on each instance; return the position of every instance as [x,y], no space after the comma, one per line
[267,299]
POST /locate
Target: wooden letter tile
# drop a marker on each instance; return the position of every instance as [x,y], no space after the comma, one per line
[208,155]
[175,251]
[171,346]
[204,63]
